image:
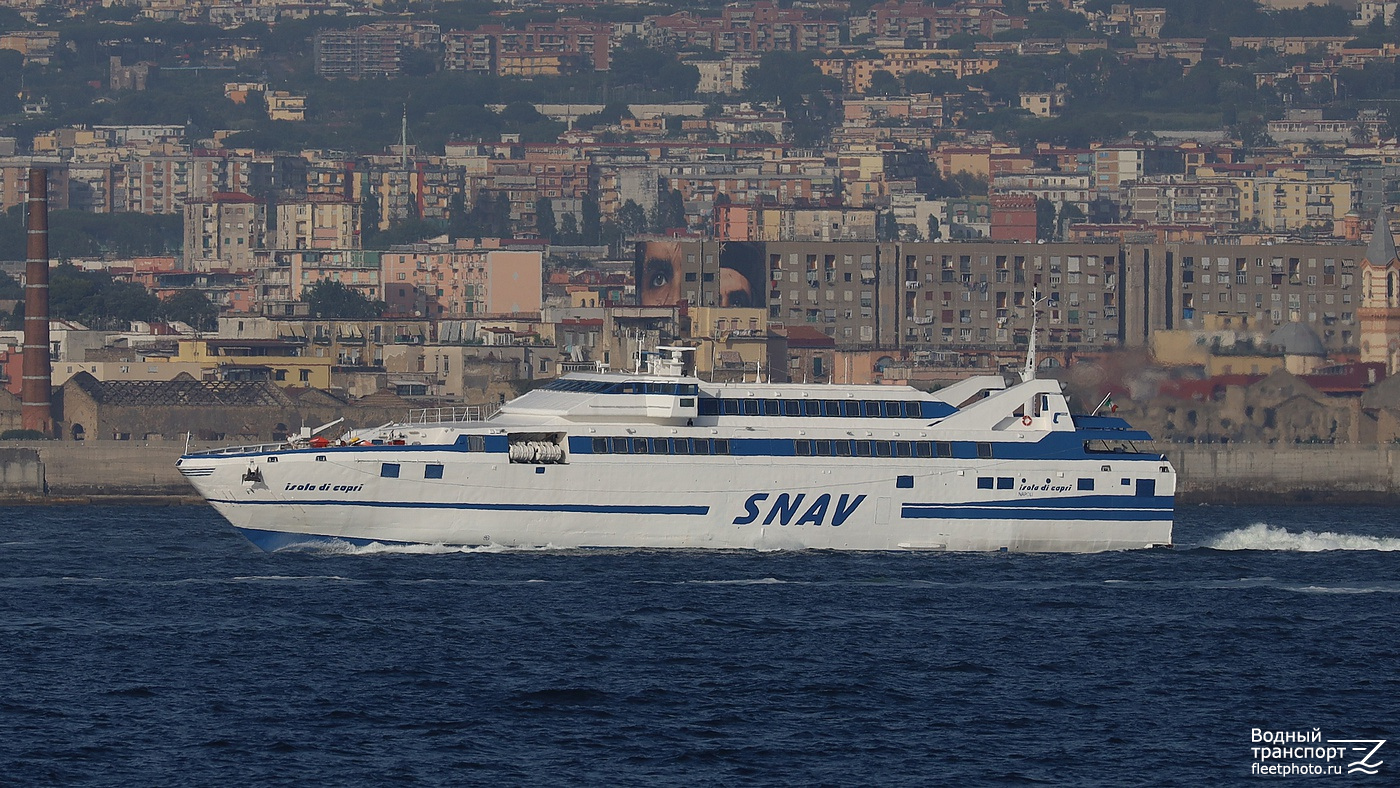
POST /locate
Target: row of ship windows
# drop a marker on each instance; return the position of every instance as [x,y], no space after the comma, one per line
[628,387]
[801,448]
[390,470]
[894,409]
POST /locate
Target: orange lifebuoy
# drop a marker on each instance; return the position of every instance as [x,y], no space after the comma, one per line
[1026,420]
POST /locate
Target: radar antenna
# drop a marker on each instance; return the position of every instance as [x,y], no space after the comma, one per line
[1028,371]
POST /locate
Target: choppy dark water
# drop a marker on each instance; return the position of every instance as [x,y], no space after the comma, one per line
[154,646]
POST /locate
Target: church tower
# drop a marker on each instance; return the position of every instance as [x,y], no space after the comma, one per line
[1380,298]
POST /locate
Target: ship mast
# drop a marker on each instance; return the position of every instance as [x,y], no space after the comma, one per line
[1028,371]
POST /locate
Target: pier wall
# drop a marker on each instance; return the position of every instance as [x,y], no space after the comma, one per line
[1232,473]
[21,472]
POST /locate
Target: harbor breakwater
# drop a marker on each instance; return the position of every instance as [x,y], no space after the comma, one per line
[40,471]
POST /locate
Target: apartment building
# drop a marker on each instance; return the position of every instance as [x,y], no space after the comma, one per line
[318,223]
[224,231]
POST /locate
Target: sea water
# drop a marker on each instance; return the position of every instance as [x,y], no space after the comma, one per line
[154,646]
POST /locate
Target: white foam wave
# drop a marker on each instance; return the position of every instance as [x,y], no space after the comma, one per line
[377,548]
[762,581]
[1262,536]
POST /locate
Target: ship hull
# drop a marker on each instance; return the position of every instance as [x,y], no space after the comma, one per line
[761,503]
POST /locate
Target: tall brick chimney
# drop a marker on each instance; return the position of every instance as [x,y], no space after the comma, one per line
[36,383]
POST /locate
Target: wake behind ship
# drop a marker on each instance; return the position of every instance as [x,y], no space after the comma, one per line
[663,459]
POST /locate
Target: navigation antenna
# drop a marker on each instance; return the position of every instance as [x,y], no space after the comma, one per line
[403,141]
[1028,371]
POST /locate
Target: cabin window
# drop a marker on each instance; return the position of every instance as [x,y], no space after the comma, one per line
[893,410]
[870,408]
[701,446]
[751,407]
[882,449]
[389,470]
[984,451]
[792,408]
[823,448]
[721,446]
[660,446]
[320,458]
[709,407]
[842,448]
[1086,484]
[771,407]
[945,449]
[924,449]
[850,408]
[911,410]
[903,449]
[600,445]
[639,445]
[985,482]
[863,449]
[803,448]
[621,446]
[904,482]
[432,471]
[731,407]
[831,407]
[1006,482]
[811,408]
[680,445]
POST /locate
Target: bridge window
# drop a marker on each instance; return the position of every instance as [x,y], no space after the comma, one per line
[709,406]
[389,470]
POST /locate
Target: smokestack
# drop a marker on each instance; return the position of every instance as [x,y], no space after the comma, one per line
[36,384]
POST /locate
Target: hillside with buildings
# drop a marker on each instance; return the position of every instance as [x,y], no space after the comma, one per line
[496,194]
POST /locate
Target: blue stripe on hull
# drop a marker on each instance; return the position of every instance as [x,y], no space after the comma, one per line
[916,512]
[572,508]
[1067,502]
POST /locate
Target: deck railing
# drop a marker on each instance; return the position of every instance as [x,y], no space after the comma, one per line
[454,414]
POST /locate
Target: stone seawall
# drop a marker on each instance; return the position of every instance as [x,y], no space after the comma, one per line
[21,472]
[1263,474]
[1235,473]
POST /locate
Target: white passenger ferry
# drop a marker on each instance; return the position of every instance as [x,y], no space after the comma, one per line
[663,459]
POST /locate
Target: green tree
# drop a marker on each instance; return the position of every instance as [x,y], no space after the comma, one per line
[631,219]
[544,219]
[330,299]
[592,222]
[1044,220]
[935,232]
[10,289]
[883,83]
[192,307]
[568,230]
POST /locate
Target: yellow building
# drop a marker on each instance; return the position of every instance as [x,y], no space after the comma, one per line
[732,343]
[1286,203]
[284,363]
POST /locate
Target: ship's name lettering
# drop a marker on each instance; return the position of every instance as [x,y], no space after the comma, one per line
[785,507]
[1044,488]
[349,488]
